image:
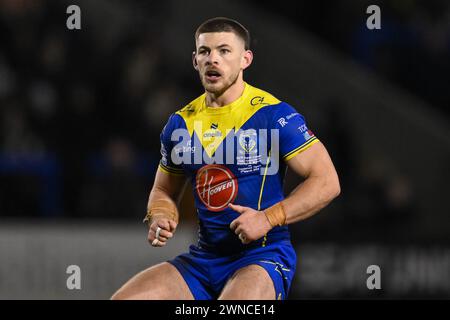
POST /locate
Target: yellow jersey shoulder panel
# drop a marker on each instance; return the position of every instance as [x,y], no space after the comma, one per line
[212,124]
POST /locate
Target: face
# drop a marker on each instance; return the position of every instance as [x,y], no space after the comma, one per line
[220,58]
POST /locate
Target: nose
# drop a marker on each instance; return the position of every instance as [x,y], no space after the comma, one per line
[212,57]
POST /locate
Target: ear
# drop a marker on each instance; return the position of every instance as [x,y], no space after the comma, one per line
[194,60]
[247,59]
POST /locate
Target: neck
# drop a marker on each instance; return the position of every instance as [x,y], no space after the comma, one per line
[228,96]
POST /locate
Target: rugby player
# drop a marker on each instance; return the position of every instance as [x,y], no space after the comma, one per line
[233,144]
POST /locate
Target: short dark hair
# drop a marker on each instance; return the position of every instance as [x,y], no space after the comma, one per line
[222,24]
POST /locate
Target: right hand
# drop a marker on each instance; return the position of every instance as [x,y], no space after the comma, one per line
[168,227]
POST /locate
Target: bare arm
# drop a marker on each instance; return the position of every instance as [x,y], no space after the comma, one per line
[167,186]
[167,189]
[321,184]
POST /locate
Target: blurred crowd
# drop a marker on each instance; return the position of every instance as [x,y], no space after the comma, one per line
[81,112]
[411,49]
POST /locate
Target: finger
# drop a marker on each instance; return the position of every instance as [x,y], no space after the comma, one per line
[234,224]
[239,230]
[161,243]
[165,234]
[162,237]
[243,238]
[160,232]
[157,224]
[237,208]
[157,243]
[164,224]
[153,226]
[155,231]
[173,225]
[152,239]
[151,235]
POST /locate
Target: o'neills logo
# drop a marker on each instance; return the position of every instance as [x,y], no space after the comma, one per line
[216,186]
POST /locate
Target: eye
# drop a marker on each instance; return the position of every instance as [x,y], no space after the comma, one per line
[223,51]
[202,51]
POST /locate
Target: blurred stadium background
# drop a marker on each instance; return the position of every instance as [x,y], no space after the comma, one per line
[81,112]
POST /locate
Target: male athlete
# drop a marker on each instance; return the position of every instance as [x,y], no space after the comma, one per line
[233,144]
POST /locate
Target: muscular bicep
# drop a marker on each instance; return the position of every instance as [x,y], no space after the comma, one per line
[169,184]
[314,161]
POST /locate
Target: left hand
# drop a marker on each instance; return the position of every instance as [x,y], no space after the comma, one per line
[250,225]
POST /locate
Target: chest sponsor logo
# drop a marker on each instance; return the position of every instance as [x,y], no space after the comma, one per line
[216,186]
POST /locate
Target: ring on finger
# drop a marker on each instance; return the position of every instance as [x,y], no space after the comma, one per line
[158,230]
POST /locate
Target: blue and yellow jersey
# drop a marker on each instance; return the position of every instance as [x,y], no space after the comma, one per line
[234,154]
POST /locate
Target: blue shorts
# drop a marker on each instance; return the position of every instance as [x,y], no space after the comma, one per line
[206,273]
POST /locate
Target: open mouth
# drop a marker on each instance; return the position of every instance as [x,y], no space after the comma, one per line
[212,75]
